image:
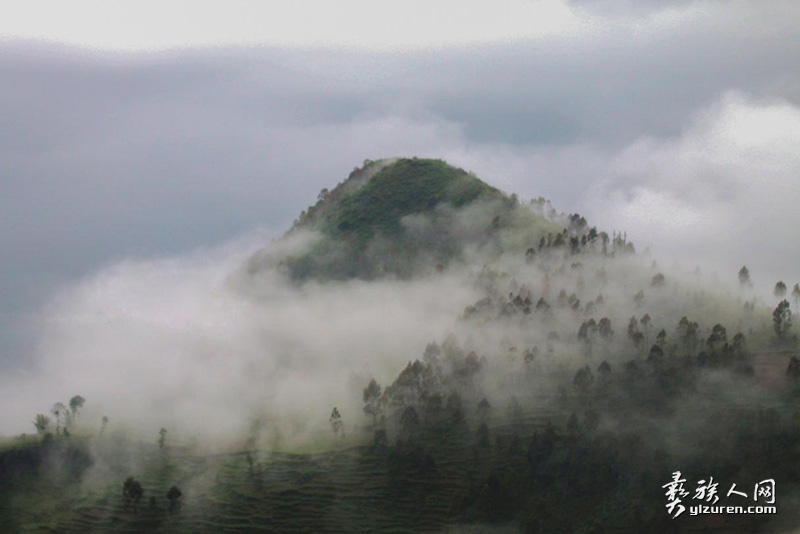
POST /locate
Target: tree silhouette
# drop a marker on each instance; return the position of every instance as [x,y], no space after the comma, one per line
[645,322]
[717,338]
[782,319]
[76,404]
[661,337]
[638,340]
[744,277]
[371,396]
[336,422]
[409,421]
[58,410]
[604,329]
[132,491]
[529,357]
[172,496]
[586,330]
[633,327]
[41,422]
[780,289]
[739,344]
[796,295]
[453,407]
[583,378]
[688,332]
[656,355]
[432,353]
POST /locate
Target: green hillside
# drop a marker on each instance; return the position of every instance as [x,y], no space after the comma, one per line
[405,217]
[574,381]
[409,186]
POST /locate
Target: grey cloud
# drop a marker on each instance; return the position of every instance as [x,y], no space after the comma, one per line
[719,195]
[632,7]
[109,156]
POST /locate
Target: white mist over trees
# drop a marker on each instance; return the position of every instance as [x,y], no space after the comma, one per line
[199,346]
[442,320]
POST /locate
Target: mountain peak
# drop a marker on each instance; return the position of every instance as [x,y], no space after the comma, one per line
[376,197]
[403,217]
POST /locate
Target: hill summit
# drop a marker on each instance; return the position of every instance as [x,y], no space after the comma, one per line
[405,217]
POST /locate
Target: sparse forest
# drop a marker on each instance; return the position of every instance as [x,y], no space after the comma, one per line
[580,377]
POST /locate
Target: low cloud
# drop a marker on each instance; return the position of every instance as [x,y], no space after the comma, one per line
[182,343]
[114,156]
[720,194]
[723,194]
[187,344]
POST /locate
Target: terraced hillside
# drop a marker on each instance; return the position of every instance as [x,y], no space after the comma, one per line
[441,477]
[375,488]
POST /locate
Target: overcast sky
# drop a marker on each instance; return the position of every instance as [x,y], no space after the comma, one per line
[140,130]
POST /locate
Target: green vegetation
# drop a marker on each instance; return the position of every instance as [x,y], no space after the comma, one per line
[573,388]
[409,186]
[404,221]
